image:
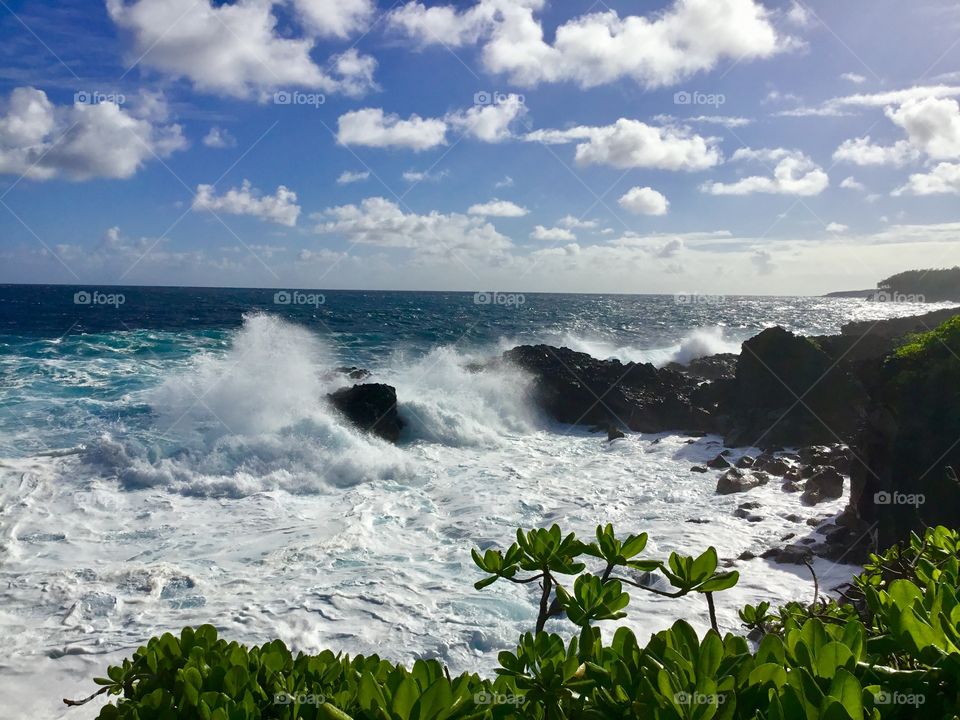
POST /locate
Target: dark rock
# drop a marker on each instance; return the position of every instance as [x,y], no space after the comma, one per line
[776,367]
[905,472]
[353,372]
[814,522]
[794,555]
[788,536]
[573,387]
[772,552]
[749,505]
[698,469]
[791,487]
[793,518]
[774,466]
[745,462]
[698,521]
[735,480]
[371,407]
[825,485]
[746,555]
[718,463]
[712,367]
[614,433]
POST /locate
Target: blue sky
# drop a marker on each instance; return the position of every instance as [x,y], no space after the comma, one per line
[728,146]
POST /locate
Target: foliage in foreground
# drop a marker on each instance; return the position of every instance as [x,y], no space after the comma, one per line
[889,649]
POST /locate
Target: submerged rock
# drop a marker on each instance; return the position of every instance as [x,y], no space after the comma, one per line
[371,407]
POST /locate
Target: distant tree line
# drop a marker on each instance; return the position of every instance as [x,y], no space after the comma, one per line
[933,285]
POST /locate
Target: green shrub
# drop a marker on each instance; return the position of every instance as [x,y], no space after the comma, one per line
[890,648]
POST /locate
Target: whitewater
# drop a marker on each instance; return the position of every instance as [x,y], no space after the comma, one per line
[192,472]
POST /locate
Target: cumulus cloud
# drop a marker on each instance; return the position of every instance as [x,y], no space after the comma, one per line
[851,183]
[280,208]
[932,125]
[381,222]
[862,151]
[855,78]
[349,176]
[371,127]
[944,178]
[219,138]
[689,37]
[498,208]
[634,144]
[574,223]
[235,49]
[335,18]
[554,234]
[418,176]
[794,174]
[40,140]
[837,228]
[490,123]
[842,106]
[644,201]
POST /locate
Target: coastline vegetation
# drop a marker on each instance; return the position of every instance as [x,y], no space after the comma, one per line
[888,648]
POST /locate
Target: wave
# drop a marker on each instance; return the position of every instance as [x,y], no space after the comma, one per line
[255,418]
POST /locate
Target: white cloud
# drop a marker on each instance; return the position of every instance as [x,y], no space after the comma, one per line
[763,261]
[942,179]
[219,138]
[851,183]
[794,174]
[418,176]
[932,125]
[855,78]
[490,123]
[41,141]
[381,222]
[689,37]
[350,176]
[505,183]
[574,223]
[335,18]
[554,234]
[842,106]
[498,208]
[861,151]
[372,128]
[724,120]
[633,144]
[644,201]
[280,208]
[800,15]
[837,228]
[234,48]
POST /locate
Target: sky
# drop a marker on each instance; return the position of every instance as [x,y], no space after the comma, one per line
[712,146]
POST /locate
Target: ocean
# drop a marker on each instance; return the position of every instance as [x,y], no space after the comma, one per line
[167,458]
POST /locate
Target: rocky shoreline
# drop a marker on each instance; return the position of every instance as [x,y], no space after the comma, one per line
[820,411]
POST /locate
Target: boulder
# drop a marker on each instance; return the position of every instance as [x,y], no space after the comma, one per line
[736,480]
[825,485]
[614,433]
[719,463]
[352,372]
[372,407]
[776,368]
[794,555]
[745,462]
[698,469]
[573,387]
[774,466]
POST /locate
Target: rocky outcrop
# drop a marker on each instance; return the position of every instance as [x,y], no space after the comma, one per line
[573,387]
[826,484]
[788,391]
[907,456]
[371,407]
[712,367]
[736,480]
